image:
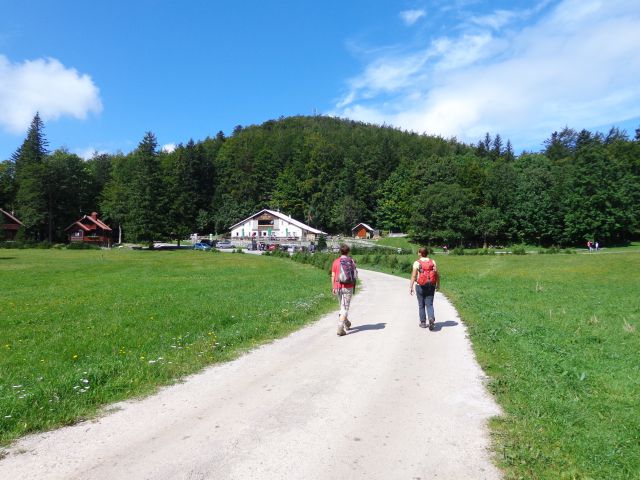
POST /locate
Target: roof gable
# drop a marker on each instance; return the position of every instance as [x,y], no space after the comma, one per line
[281,216]
[11,217]
[94,223]
[364,225]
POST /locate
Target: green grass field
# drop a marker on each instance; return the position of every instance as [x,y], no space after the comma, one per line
[398,242]
[81,329]
[559,335]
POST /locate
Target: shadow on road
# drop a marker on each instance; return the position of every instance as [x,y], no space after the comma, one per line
[440,325]
[371,326]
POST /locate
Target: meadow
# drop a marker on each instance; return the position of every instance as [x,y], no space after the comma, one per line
[82,329]
[558,336]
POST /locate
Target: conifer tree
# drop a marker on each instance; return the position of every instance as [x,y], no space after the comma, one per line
[29,160]
[146,218]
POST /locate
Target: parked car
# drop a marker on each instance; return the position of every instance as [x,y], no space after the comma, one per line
[202,246]
[224,244]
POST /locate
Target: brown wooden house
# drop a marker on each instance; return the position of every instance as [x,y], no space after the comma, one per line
[90,229]
[362,230]
[9,226]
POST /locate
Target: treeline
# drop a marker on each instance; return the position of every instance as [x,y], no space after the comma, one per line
[333,174]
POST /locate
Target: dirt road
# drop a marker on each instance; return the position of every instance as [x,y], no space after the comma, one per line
[388,401]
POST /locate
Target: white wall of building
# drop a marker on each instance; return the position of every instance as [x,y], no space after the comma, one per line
[282,229]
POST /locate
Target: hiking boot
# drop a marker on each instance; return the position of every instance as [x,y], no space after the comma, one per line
[341,331]
[432,324]
[423,324]
[347,324]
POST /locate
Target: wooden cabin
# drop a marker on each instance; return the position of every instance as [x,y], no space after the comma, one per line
[90,229]
[9,225]
[362,230]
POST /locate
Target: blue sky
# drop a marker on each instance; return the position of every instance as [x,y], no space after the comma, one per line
[101,74]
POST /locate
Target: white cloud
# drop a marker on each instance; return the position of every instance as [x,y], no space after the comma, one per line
[169,147]
[409,17]
[89,152]
[43,85]
[496,20]
[576,65]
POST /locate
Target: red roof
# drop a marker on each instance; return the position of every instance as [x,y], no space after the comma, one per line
[94,225]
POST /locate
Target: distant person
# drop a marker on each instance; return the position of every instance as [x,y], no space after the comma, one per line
[589,245]
[597,246]
[344,275]
[427,280]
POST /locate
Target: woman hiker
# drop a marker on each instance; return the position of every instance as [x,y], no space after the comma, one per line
[426,279]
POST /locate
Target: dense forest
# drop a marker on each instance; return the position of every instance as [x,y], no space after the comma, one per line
[333,174]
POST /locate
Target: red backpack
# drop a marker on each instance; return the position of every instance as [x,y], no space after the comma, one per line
[427,273]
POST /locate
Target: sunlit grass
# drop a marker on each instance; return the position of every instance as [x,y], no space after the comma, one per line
[558,334]
[80,329]
[398,242]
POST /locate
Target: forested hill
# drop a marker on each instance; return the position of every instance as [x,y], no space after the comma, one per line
[333,174]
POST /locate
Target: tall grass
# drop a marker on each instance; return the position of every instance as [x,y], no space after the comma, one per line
[80,329]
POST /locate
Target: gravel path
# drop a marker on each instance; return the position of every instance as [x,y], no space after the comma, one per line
[388,401]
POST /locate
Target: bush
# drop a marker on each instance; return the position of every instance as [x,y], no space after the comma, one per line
[82,246]
[519,250]
[322,243]
[405,265]
[458,251]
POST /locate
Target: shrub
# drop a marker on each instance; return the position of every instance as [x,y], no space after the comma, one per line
[458,251]
[322,243]
[405,265]
[519,250]
[82,246]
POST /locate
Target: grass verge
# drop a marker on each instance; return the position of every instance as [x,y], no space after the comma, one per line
[81,329]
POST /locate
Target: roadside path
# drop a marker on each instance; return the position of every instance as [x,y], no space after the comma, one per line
[388,401]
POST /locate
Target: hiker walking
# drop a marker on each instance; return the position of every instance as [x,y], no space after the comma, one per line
[344,275]
[426,279]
